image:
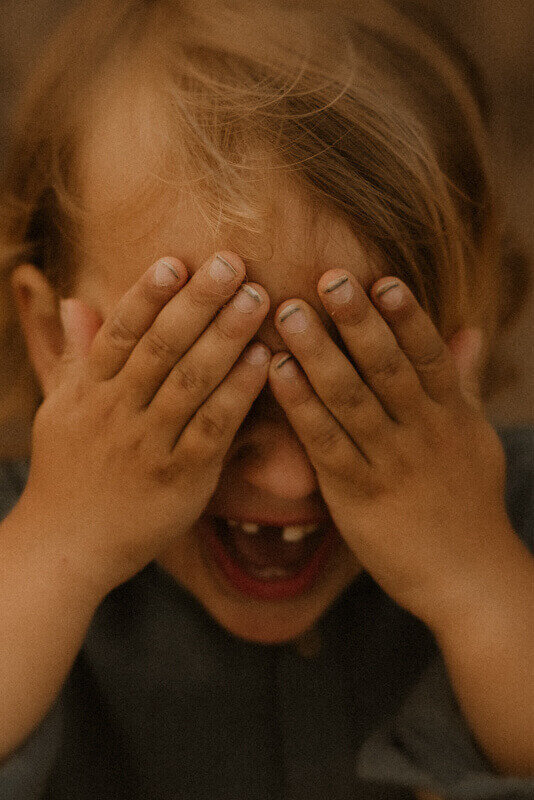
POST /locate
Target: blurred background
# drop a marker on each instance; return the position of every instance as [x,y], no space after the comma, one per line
[499,35]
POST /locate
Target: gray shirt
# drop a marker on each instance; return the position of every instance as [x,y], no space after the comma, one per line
[163,703]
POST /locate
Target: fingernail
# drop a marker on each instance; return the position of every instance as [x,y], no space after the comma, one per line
[221,269]
[293,318]
[393,298]
[340,290]
[286,367]
[247,299]
[165,274]
[257,354]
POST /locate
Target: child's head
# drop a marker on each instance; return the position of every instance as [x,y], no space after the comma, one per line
[303,136]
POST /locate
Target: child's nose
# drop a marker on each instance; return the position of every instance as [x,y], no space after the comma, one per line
[281,468]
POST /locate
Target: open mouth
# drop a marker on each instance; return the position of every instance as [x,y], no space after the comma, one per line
[269,562]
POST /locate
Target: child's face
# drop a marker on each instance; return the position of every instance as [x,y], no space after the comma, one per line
[266,472]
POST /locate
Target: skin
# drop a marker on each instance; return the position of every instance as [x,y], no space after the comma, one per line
[405,462]
[250,484]
[411,533]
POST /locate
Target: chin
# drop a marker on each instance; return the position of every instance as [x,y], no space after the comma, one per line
[274,613]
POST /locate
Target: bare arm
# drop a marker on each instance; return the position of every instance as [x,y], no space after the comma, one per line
[488,650]
[127,449]
[46,610]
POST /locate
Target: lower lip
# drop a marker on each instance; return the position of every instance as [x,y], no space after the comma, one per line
[268,590]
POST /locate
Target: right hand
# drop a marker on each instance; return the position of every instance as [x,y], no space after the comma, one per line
[128,447]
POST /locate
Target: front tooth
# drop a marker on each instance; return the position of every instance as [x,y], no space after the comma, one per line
[232,523]
[293,533]
[250,527]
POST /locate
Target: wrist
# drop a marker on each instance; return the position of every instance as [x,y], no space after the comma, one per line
[47,547]
[499,587]
[485,638]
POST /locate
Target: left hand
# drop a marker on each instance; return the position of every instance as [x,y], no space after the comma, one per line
[411,470]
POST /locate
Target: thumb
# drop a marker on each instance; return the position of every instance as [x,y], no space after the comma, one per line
[80,325]
[466,349]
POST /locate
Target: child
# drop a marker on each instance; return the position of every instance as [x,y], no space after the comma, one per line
[264,543]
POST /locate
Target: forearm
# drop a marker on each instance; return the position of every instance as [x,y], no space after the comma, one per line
[45,611]
[488,649]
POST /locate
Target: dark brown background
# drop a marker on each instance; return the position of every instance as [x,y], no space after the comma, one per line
[499,34]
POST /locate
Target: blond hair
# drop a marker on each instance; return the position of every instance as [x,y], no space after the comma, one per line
[356,101]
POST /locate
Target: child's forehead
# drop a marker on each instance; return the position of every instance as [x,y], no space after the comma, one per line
[135,215]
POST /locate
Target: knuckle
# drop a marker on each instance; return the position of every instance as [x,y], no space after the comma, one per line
[369,425]
[187,379]
[213,424]
[436,356]
[196,449]
[225,331]
[388,366]
[165,472]
[134,447]
[120,335]
[327,439]
[378,482]
[336,456]
[158,348]
[346,395]
[200,298]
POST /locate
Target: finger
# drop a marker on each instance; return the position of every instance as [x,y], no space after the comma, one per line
[209,360]
[334,378]
[210,432]
[80,325]
[134,314]
[178,326]
[328,446]
[372,346]
[419,339]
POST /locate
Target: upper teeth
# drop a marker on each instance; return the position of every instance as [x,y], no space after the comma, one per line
[290,533]
[293,533]
[246,527]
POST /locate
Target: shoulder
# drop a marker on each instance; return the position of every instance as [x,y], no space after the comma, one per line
[13,477]
[518,446]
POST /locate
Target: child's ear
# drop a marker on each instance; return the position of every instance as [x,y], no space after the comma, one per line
[38,309]
[466,347]
[39,313]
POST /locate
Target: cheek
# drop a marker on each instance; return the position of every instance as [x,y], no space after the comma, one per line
[102,287]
